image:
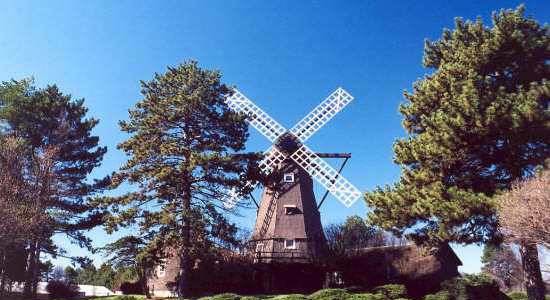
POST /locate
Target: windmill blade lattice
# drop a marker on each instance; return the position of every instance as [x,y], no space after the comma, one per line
[282,139]
[265,124]
[319,116]
[327,176]
[272,158]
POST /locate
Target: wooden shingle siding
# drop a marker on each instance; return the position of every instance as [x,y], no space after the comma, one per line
[274,225]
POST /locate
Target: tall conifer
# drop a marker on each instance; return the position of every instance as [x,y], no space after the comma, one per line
[476,124]
[183,157]
[46,120]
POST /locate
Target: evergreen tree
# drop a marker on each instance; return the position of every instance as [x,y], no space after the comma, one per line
[476,124]
[131,253]
[71,275]
[47,119]
[87,274]
[183,156]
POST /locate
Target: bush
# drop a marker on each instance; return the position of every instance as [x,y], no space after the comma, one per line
[131,288]
[476,286]
[58,289]
[366,296]
[226,296]
[330,294]
[291,297]
[518,296]
[392,291]
[439,296]
[125,297]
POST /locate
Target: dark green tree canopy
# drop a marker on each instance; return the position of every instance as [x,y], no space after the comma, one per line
[48,120]
[476,124]
[184,150]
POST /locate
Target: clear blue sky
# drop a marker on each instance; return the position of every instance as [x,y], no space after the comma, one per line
[285,55]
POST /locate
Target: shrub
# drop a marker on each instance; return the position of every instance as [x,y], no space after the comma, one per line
[392,291]
[250,298]
[125,297]
[330,294]
[129,288]
[517,296]
[439,296]
[366,296]
[291,297]
[476,286]
[58,289]
[226,296]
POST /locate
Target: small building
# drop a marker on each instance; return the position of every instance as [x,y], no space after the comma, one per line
[162,281]
[421,269]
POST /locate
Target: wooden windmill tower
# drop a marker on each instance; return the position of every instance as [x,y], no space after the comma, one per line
[288,227]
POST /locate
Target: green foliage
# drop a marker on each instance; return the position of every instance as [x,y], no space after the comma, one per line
[474,125]
[47,118]
[517,296]
[330,294]
[61,290]
[444,295]
[127,297]
[129,257]
[184,157]
[354,233]
[366,296]
[89,274]
[54,126]
[290,297]
[392,291]
[226,296]
[71,275]
[471,286]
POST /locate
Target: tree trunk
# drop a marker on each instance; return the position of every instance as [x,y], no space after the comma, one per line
[531,266]
[145,282]
[31,260]
[36,271]
[184,255]
[2,274]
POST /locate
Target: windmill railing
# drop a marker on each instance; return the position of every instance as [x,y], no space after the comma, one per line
[260,256]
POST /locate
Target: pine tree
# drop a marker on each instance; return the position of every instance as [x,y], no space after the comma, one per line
[132,253]
[47,120]
[476,124]
[183,156]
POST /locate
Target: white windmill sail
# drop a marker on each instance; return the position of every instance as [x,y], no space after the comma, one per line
[316,167]
[321,114]
[265,124]
[327,176]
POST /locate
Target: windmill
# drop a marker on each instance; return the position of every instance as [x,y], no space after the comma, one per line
[288,225]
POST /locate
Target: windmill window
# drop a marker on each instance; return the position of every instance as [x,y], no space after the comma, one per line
[259,247]
[161,271]
[289,177]
[290,244]
[291,210]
